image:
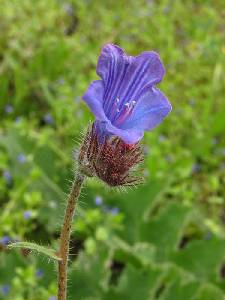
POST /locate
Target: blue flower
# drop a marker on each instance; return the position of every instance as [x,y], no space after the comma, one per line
[48,119]
[5,240]
[114,211]
[7,176]
[18,119]
[27,214]
[52,298]
[125,101]
[8,109]
[98,200]
[5,289]
[39,273]
[21,158]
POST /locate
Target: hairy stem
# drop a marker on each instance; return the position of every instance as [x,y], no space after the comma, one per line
[65,236]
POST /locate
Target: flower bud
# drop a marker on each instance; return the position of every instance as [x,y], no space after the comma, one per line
[111,160]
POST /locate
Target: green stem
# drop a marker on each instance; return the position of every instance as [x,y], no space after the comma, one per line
[65,236]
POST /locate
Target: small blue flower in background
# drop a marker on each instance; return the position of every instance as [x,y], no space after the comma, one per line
[5,289]
[21,158]
[27,214]
[125,101]
[114,211]
[39,273]
[5,240]
[52,298]
[98,200]
[8,109]
[48,119]
[18,119]
[7,176]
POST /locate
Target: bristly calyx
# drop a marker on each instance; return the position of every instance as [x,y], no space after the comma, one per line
[113,161]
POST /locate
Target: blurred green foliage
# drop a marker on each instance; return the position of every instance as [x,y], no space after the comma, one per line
[164,240]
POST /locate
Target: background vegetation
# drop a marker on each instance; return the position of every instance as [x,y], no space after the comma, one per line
[164,240]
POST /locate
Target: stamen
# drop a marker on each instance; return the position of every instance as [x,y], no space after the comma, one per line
[126,112]
[115,108]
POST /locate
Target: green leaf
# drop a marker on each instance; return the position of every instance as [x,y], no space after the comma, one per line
[179,290]
[51,253]
[164,231]
[8,264]
[138,255]
[89,274]
[209,292]
[202,258]
[133,209]
[135,284]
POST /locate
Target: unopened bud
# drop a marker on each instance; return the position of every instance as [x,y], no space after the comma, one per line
[111,160]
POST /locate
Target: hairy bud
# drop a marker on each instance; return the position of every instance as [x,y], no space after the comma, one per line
[110,160]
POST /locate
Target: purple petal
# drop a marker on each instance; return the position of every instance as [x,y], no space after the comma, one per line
[94,99]
[145,70]
[125,76]
[150,110]
[129,136]
[110,58]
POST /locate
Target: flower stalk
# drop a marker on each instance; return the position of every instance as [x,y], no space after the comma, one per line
[65,235]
